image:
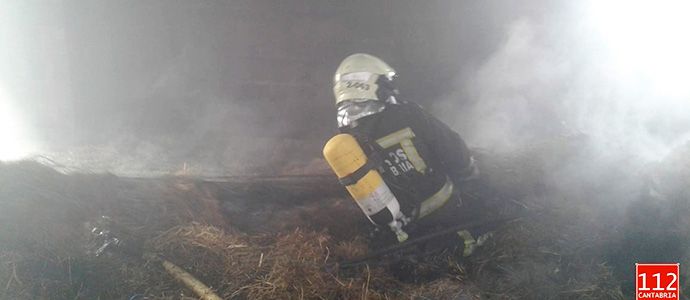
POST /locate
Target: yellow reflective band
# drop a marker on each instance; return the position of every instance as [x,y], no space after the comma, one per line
[414,157]
[437,200]
[404,138]
[395,137]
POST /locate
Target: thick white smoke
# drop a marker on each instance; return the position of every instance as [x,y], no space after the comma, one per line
[15,140]
[549,78]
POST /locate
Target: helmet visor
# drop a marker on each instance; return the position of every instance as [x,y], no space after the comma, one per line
[350,111]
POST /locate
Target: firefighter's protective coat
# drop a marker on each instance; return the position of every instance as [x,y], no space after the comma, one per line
[423,159]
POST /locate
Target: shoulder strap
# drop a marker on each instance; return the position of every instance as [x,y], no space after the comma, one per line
[373,162]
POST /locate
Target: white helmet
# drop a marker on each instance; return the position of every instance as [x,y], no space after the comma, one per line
[362,85]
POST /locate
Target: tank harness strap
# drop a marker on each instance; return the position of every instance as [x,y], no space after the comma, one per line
[373,161]
[436,201]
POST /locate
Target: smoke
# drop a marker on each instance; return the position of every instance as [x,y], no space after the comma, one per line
[209,82]
[607,126]
[151,88]
[14,136]
[512,94]
[549,79]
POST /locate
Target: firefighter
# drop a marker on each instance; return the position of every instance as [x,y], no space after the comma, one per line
[420,158]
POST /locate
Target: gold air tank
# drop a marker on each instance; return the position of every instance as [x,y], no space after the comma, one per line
[345,156]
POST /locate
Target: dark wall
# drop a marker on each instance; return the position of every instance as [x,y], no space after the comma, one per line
[200,75]
[161,67]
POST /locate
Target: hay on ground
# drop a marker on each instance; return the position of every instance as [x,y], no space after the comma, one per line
[563,252]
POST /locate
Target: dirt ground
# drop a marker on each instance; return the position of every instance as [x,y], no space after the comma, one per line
[287,237]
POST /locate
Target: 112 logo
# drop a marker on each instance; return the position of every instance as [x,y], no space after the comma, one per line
[657,281]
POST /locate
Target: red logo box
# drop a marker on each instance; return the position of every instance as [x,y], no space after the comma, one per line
[657,281]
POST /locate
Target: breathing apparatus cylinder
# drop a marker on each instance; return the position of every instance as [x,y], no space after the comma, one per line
[364,183]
